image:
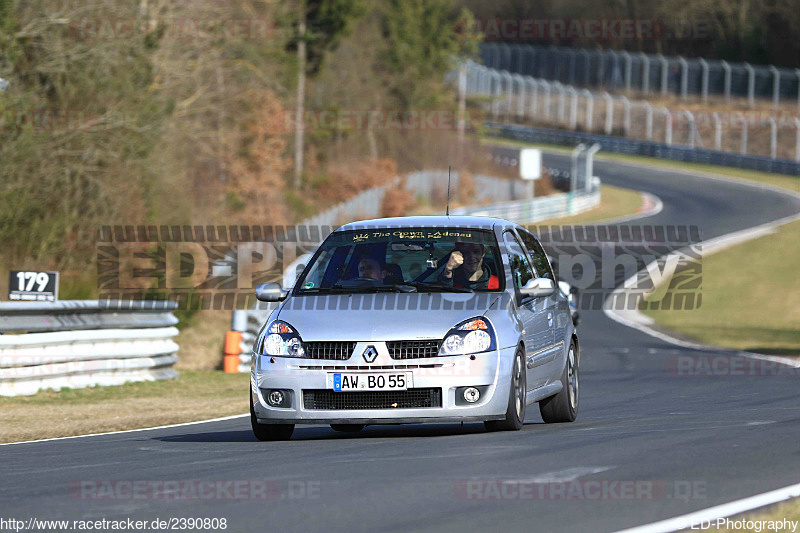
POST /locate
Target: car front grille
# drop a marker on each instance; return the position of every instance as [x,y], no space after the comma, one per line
[333,350]
[413,349]
[322,399]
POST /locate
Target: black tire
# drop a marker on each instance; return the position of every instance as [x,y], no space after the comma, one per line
[347,428]
[563,407]
[269,432]
[515,413]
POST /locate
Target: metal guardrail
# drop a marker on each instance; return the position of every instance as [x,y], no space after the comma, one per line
[656,74]
[647,148]
[79,344]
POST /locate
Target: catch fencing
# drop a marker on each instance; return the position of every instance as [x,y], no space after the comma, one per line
[76,344]
[650,74]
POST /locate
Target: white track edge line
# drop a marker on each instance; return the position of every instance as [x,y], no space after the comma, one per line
[720,511]
[220,419]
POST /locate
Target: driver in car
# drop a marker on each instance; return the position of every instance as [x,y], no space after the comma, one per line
[369,267]
[465,268]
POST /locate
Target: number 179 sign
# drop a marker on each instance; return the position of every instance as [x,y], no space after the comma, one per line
[31,286]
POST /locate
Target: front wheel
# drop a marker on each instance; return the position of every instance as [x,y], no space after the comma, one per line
[515,413]
[269,432]
[563,407]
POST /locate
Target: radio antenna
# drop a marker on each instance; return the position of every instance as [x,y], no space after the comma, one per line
[449,172]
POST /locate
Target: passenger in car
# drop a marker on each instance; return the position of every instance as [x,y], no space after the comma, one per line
[465,268]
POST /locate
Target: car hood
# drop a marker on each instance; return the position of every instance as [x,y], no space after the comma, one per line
[381,317]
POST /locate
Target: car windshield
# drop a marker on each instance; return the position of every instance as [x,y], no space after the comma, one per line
[404,260]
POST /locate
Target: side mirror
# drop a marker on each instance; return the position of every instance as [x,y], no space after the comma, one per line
[270,292]
[538,287]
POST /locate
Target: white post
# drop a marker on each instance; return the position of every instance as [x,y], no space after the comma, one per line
[626,124]
[704,88]
[534,96]
[573,108]
[717,131]
[664,74]
[628,69]
[589,109]
[667,126]
[684,77]
[648,120]
[773,138]
[751,84]
[562,102]
[521,96]
[776,86]
[497,90]
[743,144]
[797,140]
[727,68]
[692,126]
[590,163]
[573,179]
[547,89]
[645,72]
[508,82]
[609,113]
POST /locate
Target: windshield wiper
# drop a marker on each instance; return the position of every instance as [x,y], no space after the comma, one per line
[437,287]
[340,289]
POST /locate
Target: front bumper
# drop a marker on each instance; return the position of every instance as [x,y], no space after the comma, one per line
[490,371]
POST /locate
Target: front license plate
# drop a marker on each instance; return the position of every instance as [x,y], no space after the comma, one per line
[365,382]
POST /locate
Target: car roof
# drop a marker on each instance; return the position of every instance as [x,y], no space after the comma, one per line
[438,221]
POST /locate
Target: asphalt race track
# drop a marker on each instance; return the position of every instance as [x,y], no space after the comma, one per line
[656,444]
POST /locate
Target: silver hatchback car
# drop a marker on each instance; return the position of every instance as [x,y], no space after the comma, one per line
[412,320]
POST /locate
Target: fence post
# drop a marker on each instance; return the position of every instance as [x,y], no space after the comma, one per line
[626,124]
[667,126]
[692,126]
[534,95]
[684,77]
[589,109]
[704,84]
[573,108]
[645,72]
[547,90]
[573,179]
[743,144]
[664,73]
[717,131]
[628,69]
[797,140]
[496,92]
[562,101]
[609,113]
[508,81]
[590,164]
[776,86]
[727,68]
[773,138]
[521,97]
[648,121]
[751,84]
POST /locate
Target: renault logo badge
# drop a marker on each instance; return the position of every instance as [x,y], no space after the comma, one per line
[370,354]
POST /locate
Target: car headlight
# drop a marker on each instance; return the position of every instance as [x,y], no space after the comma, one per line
[471,336]
[282,340]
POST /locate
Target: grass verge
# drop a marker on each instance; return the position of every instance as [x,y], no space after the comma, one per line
[194,395]
[749,301]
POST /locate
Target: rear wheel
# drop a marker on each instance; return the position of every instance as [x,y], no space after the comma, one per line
[563,407]
[347,428]
[515,413]
[269,432]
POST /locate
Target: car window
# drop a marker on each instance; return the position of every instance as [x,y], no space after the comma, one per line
[536,252]
[520,266]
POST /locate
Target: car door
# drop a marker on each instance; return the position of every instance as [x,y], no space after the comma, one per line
[532,312]
[556,308]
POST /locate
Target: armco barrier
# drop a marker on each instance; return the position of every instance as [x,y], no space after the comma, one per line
[622,145]
[79,344]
